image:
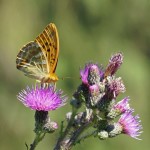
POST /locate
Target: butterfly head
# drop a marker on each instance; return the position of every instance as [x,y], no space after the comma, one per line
[53,77]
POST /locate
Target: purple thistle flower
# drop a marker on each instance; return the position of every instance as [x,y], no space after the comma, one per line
[123,105]
[119,108]
[84,73]
[116,86]
[42,98]
[130,124]
[114,64]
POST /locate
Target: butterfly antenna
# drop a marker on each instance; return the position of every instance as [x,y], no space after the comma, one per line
[63,78]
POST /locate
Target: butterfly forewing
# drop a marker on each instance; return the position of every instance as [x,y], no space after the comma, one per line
[38,59]
[49,42]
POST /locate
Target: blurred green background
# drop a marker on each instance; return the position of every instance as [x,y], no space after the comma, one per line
[89,30]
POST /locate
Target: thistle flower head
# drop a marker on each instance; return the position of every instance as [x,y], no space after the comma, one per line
[91,69]
[123,105]
[119,108]
[130,124]
[42,98]
[116,86]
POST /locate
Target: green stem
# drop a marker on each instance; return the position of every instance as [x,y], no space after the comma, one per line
[38,138]
[77,133]
[86,136]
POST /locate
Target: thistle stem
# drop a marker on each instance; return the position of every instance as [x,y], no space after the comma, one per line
[76,134]
[38,138]
[64,134]
[86,136]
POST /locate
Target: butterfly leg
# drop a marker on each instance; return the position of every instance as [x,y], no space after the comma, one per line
[36,82]
[54,86]
[44,85]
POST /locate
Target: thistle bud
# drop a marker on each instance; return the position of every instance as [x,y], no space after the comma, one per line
[114,64]
[114,129]
[103,135]
[93,75]
[50,127]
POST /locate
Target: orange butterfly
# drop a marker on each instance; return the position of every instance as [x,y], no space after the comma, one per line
[38,59]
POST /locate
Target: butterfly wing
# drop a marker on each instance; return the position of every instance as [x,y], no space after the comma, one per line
[38,59]
[31,61]
[49,43]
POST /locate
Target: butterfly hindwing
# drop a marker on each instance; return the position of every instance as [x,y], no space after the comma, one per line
[31,61]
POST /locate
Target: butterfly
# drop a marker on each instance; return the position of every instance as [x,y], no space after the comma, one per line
[38,59]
